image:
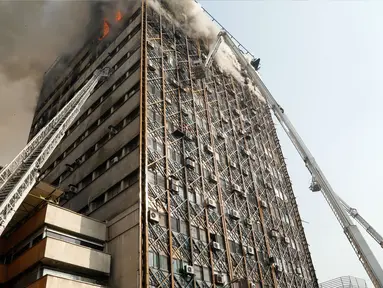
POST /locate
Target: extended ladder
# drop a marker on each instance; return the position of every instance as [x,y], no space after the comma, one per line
[19,176]
[355,237]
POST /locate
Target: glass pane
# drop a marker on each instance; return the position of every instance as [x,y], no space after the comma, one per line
[164,263]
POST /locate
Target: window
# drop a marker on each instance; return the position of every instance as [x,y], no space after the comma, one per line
[198,272]
[153,259]
[74,239]
[202,235]
[163,220]
[164,263]
[177,265]
[175,224]
[184,227]
[194,232]
[206,274]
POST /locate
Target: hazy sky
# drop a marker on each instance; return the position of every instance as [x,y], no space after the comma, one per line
[322,60]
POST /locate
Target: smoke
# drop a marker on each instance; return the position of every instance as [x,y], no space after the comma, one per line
[32,35]
[192,19]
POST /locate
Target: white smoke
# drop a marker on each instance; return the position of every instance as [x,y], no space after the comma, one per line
[191,18]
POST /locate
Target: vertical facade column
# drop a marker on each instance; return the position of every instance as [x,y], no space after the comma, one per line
[144,267]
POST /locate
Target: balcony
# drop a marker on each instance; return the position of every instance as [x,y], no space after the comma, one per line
[58,217]
[49,281]
[60,254]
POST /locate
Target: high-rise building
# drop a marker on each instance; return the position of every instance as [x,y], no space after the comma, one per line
[187,172]
[344,282]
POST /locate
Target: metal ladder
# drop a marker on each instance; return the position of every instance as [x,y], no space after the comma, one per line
[19,176]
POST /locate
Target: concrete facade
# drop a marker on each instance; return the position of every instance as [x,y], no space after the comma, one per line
[54,238]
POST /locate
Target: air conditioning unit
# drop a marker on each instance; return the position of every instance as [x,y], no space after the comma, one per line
[263,203]
[219,279]
[250,250]
[233,164]
[249,222]
[268,185]
[252,285]
[241,132]
[287,240]
[274,233]
[112,130]
[245,172]
[189,269]
[225,120]
[216,246]
[151,65]
[173,186]
[174,82]
[188,135]
[154,217]
[245,152]
[213,178]
[236,188]
[69,167]
[210,202]
[235,214]
[168,100]
[237,112]
[299,271]
[190,163]
[231,92]
[209,149]
[114,160]
[221,135]
[278,268]
[150,44]
[185,112]
[72,188]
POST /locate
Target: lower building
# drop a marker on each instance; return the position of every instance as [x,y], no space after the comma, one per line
[55,247]
[344,282]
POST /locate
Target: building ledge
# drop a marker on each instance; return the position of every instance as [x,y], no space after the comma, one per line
[49,281]
[57,253]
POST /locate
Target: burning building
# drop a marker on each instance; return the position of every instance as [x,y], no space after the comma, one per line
[186,174]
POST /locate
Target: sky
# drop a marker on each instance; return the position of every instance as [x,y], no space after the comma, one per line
[323,62]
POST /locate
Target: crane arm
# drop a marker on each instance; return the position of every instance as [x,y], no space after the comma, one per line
[19,176]
[355,214]
[352,232]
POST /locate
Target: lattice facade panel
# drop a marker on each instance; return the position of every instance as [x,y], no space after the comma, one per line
[216,176]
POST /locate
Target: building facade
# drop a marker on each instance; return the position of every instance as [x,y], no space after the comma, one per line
[344,282]
[187,173]
[55,247]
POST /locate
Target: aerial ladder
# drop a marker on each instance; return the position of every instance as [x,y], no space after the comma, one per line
[199,67]
[315,187]
[355,214]
[341,210]
[19,176]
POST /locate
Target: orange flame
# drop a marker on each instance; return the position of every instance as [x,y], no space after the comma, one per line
[105,30]
[118,16]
